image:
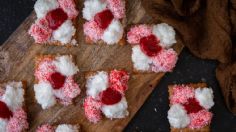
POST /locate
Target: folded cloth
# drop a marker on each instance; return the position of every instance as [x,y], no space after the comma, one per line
[208,29]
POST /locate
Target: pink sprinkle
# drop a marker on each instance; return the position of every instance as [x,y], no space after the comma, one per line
[119,80]
[40,33]
[45,128]
[181,94]
[68,92]
[138,32]
[45,69]
[93,31]
[69,7]
[117,7]
[200,119]
[165,61]
[92,109]
[18,122]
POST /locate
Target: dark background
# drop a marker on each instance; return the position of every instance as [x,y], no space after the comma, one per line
[153,114]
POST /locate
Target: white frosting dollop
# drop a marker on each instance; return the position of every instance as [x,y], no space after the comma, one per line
[92,7]
[44,95]
[64,64]
[140,60]
[204,97]
[14,95]
[113,33]
[3,125]
[41,7]
[96,84]
[118,110]
[178,117]
[66,128]
[165,33]
[65,32]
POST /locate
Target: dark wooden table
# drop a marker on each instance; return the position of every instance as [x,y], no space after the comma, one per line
[152,115]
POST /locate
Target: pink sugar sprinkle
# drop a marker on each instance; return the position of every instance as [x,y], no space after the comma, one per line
[200,119]
[92,109]
[119,80]
[117,7]
[69,7]
[138,32]
[93,31]
[45,69]
[18,122]
[68,92]
[181,94]
[40,32]
[165,61]
[45,128]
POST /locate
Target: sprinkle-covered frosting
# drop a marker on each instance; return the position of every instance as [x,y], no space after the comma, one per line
[108,99]
[104,20]
[151,47]
[54,21]
[187,110]
[13,118]
[55,81]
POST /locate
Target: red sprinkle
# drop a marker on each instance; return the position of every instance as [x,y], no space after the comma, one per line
[110,96]
[119,80]
[104,18]
[57,80]
[192,106]
[149,45]
[5,111]
[55,18]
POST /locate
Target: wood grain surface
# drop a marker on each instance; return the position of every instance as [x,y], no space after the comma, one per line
[17,63]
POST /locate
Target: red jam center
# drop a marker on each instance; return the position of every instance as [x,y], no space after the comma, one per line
[192,106]
[55,18]
[57,80]
[4,111]
[104,18]
[110,96]
[149,45]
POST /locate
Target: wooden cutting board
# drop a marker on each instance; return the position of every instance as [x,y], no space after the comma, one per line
[17,63]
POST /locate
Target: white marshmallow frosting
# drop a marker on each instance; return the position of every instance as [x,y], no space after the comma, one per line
[92,7]
[41,7]
[14,95]
[118,110]
[64,65]
[204,97]
[97,83]
[66,128]
[140,60]
[177,116]
[113,33]
[165,33]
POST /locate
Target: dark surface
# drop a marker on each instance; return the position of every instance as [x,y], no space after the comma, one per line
[152,116]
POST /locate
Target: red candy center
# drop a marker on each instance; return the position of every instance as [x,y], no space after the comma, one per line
[57,80]
[110,96]
[192,106]
[4,111]
[149,45]
[55,18]
[104,18]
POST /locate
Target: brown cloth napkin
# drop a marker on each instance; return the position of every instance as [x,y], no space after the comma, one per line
[208,29]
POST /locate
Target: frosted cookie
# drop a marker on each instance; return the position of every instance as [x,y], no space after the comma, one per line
[56,21]
[13,117]
[105,21]
[58,128]
[189,107]
[54,78]
[151,47]
[106,95]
